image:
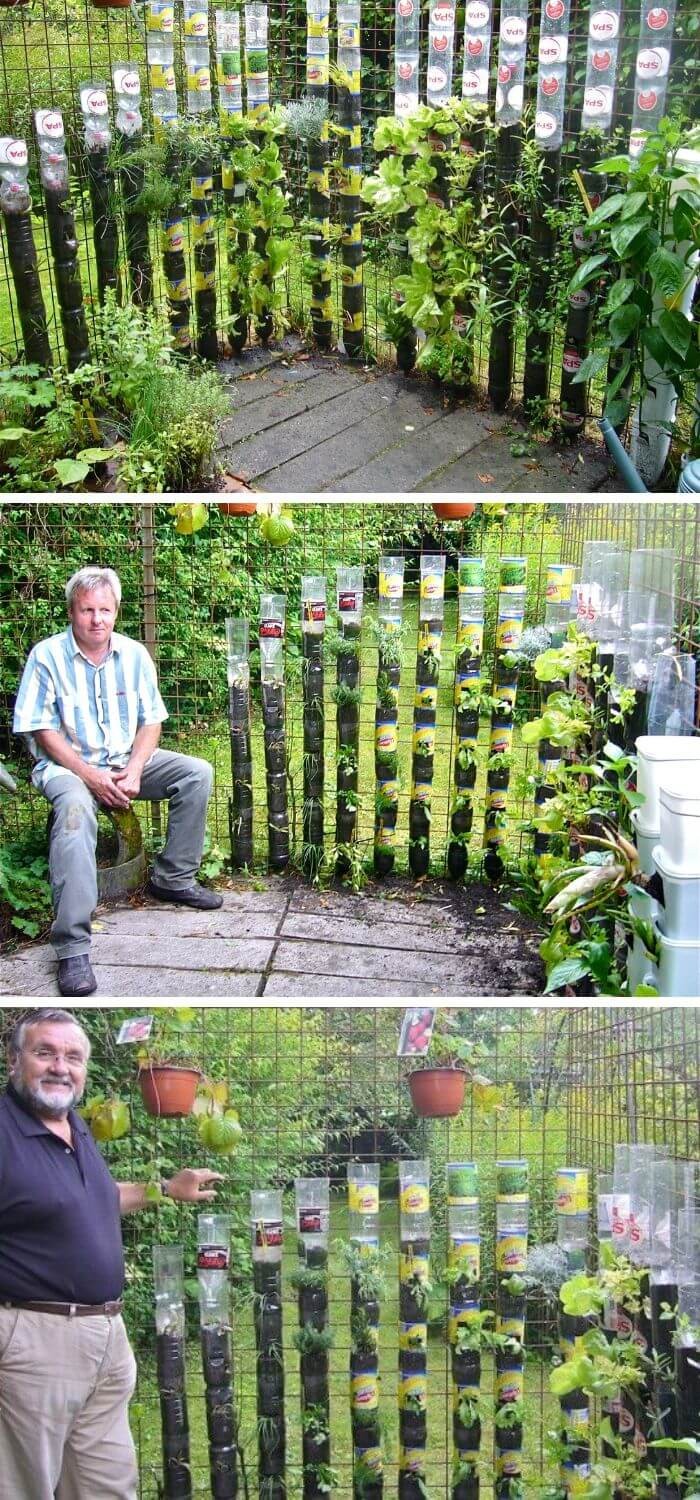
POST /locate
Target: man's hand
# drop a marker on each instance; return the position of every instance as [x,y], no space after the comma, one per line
[129,781]
[105,787]
[190,1185]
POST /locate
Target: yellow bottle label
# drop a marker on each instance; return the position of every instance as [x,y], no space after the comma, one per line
[413,1336]
[363,1197]
[415,1199]
[385,838]
[571,1191]
[317,71]
[510,1385]
[197,24]
[178,291]
[560,581]
[411,1460]
[509,633]
[432,586]
[506,692]
[508,1465]
[352,275]
[424,740]
[500,739]
[182,338]
[470,633]
[465,1252]
[425,697]
[414,1265]
[227,175]
[460,1317]
[198,78]
[162,77]
[351,182]
[160,16]
[204,281]
[413,1385]
[386,737]
[172,235]
[390,790]
[421,791]
[202,229]
[496,801]
[364,1392]
[371,1458]
[430,640]
[390,585]
[201,187]
[511,1253]
[317,27]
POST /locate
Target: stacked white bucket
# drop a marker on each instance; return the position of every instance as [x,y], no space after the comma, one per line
[667,827]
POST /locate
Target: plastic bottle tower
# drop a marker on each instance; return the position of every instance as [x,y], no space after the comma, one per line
[471,576]
[313,626]
[266,1246]
[258,97]
[431,614]
[169,1287]
[389,614]
[349,600]
[571,1201]
[213,1264]
[16,204]
[688,1337]
[509,629]
[621,1244]
[604,1215]
[350,130]
[53,174]
[414,1276]
[317,79]
[128,126]
[240,808]
[557,610]
[512,1211]
[642,1161]
[230,79]
[272,625]
[159,16]
[597,115]
[478,23]
[508,115]
[363,1229]
[464,1265]
[97,139]
[438,92]
[199,103]
[406,102]
[313,1219]
[549,134]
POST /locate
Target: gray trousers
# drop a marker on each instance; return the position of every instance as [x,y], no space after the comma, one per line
[182,780]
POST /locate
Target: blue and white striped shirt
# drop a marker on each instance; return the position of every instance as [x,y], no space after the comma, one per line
[98,709]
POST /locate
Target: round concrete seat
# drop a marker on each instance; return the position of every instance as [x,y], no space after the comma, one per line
[128,868]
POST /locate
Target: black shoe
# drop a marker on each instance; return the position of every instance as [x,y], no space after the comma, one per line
[195,895]
[75,976]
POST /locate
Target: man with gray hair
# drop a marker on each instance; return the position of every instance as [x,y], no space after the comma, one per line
[90,708]
[67,1371]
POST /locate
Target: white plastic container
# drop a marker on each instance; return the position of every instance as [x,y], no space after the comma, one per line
[656,754]
[679,918]
[679,969]
[641,969]
[679,821]
[646,840]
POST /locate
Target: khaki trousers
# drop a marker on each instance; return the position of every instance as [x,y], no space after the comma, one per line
[65,1386]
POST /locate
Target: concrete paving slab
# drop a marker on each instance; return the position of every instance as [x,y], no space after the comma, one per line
[173,922]
[490,468]
[354,962]
[406,937]
[254,457]
[329,986]
[329,463]
[417,457]
[118,983]
[283,403]
[368,908]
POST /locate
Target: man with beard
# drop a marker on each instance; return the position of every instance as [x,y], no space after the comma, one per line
[67,1371]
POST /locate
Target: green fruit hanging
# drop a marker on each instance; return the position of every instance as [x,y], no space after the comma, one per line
[108,1118]
[277,526]
[220,1133]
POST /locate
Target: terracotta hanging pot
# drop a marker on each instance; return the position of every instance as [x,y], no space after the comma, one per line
[237,507]
[10,3]
[111,4]
[168,1091]
[448,510]
[437,1093]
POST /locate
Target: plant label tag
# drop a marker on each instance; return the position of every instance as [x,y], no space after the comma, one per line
[313,1221]
[213,1258]
[137,1029]
[416,1032]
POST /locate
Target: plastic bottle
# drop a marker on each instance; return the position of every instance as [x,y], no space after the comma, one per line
[127,90]
[95,111]
[14,189]
[51,143]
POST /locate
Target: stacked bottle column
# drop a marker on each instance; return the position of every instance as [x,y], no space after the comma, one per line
[559,586]
[508,114]
[97,138]
[199,104]
[317,80]
[313,624]
[512,1213]
[672,1191]
[622,1319]
[230,81]
[258,93]
[350,130]
[241,803]
[266,1246]
[272,626]
[129,130]
[431,614]
[406,102]
[553,54]
[687,1364]
[509,629]
[478,24]
[213,1266]
[169,1288]
[644,1162]
[389,612]
[160,47]
[349,601]
[464,1276]
[313,1217]
[363,1229]
[53,173]
[414,1279]
[467,695]
[571,1201]
[15,202]
[604,1217]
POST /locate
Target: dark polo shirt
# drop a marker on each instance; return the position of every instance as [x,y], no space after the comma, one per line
[60,1227]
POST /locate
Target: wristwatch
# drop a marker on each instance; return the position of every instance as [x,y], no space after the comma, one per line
[165,1187]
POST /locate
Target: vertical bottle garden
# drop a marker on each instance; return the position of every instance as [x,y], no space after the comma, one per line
[349,600]
[406,102]
[559,587]
[199,103]
[241,803]
[317,79]
[272,623]
[386,753]
[53,174]
[313,625]
[512,1211]
[431,613]
[233,179]
[687,1363]
[572,1210]
[464,1324]
[509,629]
[128,133]
[97,138]
[313,1338]
[349,128]
[549,135]
[169,1288]
[365,1285]
[508,115]
[213,1264]
[266,1238]
[258,96]
[160,51]
[467,698]
[16,204]
[414,1292]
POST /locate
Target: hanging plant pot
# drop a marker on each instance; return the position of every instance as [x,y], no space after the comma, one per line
[447,510]
[437,1093]
[234,507]
[111,4]
[168,1091]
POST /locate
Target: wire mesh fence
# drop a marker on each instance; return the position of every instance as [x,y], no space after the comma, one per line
[198,581]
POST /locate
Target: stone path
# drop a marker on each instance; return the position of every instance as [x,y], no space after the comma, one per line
[279,938]
[312,423]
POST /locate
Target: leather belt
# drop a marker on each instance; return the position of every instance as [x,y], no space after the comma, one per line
[68,1309]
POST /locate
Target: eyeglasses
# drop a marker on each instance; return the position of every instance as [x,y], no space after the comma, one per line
[54,1054]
